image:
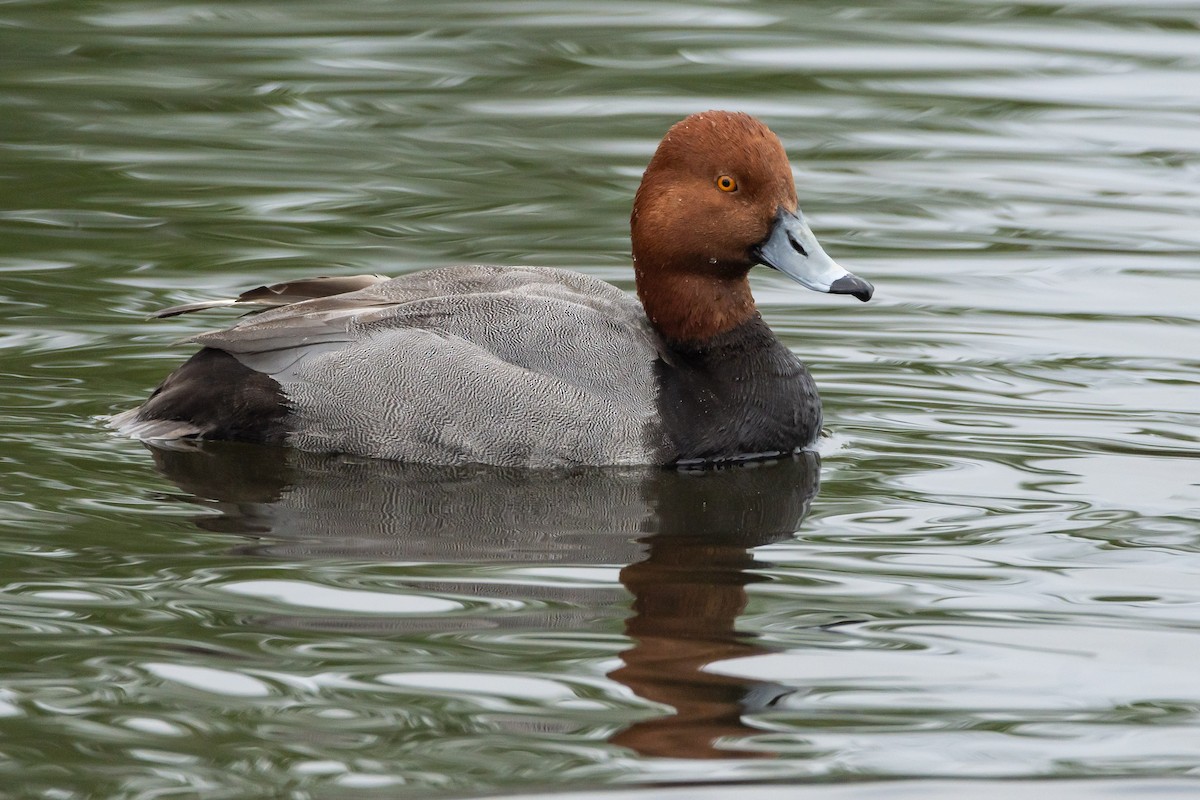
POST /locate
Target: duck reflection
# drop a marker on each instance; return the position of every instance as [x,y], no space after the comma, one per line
[684,538]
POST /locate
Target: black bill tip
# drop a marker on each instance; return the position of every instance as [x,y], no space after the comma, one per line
[852,284]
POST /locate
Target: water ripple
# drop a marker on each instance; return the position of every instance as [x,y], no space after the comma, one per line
[997,579]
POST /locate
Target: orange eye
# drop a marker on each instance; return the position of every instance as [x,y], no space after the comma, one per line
[726,184]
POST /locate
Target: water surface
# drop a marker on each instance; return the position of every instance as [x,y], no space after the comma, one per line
[998,577]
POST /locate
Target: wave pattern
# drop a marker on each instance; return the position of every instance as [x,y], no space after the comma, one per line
[998,578]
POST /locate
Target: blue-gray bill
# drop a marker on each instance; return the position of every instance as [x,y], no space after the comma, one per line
[793,249]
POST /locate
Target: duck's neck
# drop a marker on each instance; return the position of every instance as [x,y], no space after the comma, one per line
[685,306]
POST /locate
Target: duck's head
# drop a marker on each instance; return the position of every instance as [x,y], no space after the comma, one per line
[717,199]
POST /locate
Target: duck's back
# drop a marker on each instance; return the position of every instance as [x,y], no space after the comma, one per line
[507,366]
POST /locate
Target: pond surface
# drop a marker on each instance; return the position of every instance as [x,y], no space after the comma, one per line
[998,579]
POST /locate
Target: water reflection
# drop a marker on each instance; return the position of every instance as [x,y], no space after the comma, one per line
[688,592]
[682,540]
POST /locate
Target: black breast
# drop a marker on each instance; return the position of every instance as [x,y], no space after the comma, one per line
[740,394]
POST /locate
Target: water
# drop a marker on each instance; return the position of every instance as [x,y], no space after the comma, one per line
[997,580]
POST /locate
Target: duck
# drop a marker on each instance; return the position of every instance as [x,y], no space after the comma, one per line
[532,366]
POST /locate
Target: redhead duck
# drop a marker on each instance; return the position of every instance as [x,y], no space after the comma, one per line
[536,367]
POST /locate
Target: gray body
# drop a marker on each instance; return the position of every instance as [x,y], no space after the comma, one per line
[506,366]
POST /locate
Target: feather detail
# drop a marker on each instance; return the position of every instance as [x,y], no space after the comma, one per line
[280,294]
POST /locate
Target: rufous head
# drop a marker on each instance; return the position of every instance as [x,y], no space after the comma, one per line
[717,199]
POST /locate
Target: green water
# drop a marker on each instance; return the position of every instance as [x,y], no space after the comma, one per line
[999,577]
